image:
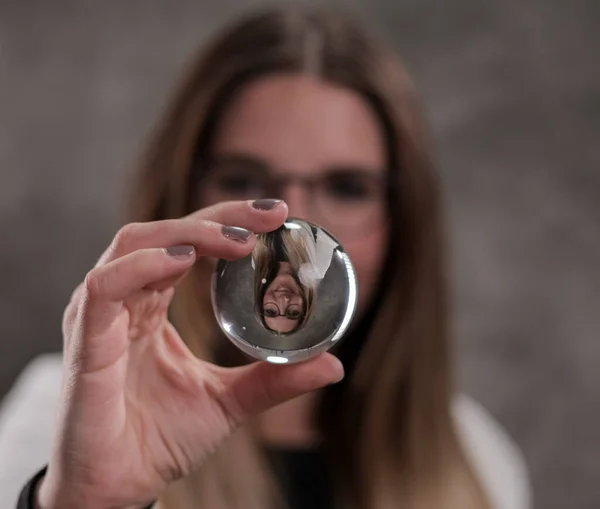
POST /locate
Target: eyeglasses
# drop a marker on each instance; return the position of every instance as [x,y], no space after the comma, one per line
[343,197]
[271,310]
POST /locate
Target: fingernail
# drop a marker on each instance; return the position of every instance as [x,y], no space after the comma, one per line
[340,368]
[265,204]
[181,252]
[236,233]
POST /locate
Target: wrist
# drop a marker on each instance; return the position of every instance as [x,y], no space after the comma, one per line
[46,496]
[49,494]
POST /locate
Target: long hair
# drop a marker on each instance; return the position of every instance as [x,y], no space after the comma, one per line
[266,266]
[388,427]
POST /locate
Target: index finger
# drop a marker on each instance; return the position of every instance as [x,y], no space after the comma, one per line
[198,228]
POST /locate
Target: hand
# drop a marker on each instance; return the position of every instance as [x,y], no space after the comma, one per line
[138,409]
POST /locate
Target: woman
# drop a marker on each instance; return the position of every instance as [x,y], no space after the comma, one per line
[283,301]
[289,265]
[303,107]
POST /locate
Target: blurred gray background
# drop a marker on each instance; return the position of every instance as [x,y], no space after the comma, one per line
[513,92]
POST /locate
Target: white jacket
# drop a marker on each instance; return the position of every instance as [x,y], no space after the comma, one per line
[319,250]
[27,420]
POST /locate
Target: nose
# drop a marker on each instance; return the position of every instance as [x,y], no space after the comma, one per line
[297,198]
[283,300]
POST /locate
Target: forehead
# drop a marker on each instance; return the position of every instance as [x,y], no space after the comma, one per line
[301,123]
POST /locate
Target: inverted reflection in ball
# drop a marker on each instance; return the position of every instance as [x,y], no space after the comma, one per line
[291,299]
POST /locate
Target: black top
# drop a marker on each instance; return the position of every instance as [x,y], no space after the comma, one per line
[302,473]
[304,477]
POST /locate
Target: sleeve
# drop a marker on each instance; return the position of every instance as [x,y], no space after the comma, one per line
[497,460]
[26,498]
[26,424]
[320,252]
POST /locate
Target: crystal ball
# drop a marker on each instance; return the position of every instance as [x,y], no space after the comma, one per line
[291,299]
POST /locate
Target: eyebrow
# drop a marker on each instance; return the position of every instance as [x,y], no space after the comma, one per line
[262,165]
[239,157]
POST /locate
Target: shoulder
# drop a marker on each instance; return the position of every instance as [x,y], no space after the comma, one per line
[26,424]
[495,457]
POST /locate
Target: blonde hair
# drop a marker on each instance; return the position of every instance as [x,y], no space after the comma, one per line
[388,427]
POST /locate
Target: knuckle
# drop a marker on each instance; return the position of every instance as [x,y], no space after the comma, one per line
[124,236]
[92,284]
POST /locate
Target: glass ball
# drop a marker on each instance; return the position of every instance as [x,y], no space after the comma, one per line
[291,299]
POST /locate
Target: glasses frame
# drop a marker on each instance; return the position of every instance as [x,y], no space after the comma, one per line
[201,169]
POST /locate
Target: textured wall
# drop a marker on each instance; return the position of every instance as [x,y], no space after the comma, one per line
[513,92]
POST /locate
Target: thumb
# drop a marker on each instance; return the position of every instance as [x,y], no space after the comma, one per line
[252,389]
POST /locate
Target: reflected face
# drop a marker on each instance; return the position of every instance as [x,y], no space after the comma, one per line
[304,128]
[283,304]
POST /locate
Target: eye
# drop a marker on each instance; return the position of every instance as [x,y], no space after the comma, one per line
[237,177]
[270,311]
[348,185]
[293,313]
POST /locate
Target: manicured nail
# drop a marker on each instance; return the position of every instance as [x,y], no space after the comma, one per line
[265,204]
[180,252]
[236,233]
